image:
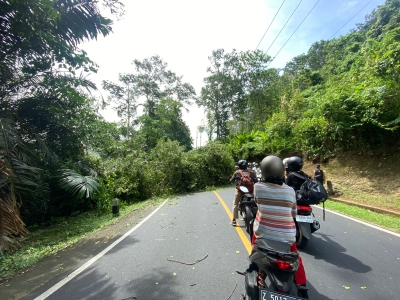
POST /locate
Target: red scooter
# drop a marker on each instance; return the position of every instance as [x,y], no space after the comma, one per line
[305,225]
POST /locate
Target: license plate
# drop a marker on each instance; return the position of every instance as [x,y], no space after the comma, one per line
[270,295]
[304,219]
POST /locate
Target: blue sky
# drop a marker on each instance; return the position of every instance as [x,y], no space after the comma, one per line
[323,21]
[184,33]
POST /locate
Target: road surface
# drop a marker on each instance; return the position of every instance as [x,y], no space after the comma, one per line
[188,250]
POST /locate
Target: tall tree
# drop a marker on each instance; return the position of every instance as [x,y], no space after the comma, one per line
[154,82]
[166,124]
[124,96]
[237,89]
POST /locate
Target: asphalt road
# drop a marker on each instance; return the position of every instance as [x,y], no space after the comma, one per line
[343,260]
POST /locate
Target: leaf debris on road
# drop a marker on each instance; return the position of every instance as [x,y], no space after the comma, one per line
[189,264]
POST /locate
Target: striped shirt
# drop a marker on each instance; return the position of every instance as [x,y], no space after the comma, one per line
[276,211]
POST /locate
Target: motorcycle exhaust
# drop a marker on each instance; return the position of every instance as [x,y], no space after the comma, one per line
[315,226]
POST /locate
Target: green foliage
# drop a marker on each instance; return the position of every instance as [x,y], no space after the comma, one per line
[211,165]
[342,94]
[77,185]
[166,124]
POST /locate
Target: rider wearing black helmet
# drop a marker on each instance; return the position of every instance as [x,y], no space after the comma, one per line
[293,167]
[236,177]
[276,210]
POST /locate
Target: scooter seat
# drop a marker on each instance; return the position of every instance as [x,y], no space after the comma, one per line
[272,245]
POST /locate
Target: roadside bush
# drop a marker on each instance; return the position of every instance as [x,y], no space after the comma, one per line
[163,170]
[213,165]
[125,178]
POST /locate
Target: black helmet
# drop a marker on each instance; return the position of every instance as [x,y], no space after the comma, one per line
[294,163]
[272,167]
[242,164]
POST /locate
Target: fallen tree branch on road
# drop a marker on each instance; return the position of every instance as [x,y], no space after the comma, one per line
[189,264]
[233,289]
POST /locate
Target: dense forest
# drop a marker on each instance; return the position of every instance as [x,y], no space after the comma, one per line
[59,157]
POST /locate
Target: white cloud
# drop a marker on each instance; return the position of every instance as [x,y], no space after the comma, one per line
[347,6]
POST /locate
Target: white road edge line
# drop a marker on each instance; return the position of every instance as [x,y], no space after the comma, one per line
[359,221]
[98,256]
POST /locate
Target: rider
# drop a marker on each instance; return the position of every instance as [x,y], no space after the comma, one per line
[293,167]
[257,170]
[236,177]
[276,212]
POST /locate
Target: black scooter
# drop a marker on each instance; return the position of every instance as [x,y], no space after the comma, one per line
[273,258]
[247,209]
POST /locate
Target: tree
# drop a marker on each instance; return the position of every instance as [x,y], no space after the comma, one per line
[166,124]
[42,98]
[154,82]
[239,89]
[125,97]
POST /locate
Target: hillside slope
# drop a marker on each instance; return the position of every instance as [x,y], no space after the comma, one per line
[370,178]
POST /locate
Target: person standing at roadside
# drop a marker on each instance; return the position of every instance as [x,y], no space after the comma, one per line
[319,174]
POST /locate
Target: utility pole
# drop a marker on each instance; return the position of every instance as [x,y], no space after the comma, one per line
[197,133]
[200,138]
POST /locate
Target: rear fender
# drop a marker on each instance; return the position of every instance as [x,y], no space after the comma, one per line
[251,284]
[305,228]
[281,281]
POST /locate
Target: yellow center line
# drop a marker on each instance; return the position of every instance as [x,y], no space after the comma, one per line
[239,230]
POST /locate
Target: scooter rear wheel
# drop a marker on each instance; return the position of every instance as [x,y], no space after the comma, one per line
[301,240]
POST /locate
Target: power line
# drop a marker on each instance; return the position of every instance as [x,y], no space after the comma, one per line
[350,19]
[294,31]
[283,26]
[270,24]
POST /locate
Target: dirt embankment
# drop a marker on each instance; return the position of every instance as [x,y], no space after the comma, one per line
[371,178]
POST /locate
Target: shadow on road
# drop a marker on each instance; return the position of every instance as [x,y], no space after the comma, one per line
[325,248]
[92,284]
[157,285]
[313,293]
[125,243]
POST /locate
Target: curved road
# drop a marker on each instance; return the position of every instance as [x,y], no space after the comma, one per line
[187,250]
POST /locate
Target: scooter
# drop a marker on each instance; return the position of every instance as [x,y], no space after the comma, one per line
[271,271]
[305,225]
[273,258]
[247,209]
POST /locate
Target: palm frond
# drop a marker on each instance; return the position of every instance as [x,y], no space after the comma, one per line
[86,169]
[50,156]
[77,185]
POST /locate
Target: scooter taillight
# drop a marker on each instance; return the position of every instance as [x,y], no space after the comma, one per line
[304,210]
[284,265]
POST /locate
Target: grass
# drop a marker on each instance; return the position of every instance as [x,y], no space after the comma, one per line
[382,201]
[390,222]
[66,232]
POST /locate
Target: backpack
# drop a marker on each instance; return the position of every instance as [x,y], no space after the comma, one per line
[246,181]
[311,191]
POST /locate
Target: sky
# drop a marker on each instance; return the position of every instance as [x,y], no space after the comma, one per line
[185,32]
